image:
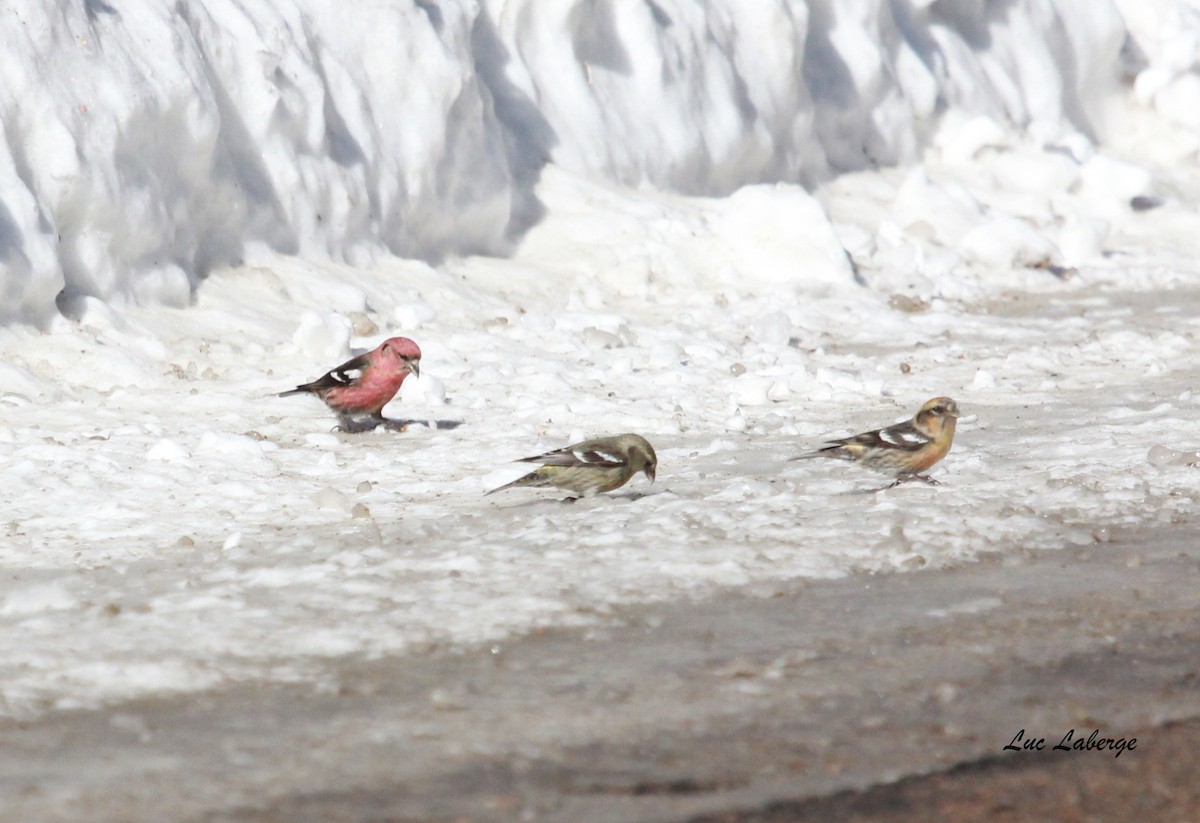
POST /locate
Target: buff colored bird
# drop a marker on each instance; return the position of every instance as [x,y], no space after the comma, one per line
[904,450]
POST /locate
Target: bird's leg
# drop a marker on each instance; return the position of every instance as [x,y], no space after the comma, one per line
[350,425]
[905,478]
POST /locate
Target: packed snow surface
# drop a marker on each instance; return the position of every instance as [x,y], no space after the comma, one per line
[588,216]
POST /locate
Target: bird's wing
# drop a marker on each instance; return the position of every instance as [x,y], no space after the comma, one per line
[576,456]
[902,436]
[347,374]
[350,372]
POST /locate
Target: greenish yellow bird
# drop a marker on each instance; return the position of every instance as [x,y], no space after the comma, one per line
[598,465]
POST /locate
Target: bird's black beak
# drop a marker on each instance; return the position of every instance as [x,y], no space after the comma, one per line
[650,470]
[414,366]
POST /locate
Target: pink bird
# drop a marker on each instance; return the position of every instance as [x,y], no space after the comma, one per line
[358,389]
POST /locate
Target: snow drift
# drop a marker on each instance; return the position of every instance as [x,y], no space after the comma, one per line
[147,143]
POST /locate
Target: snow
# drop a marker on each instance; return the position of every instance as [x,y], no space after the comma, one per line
[146,146]
[736,229]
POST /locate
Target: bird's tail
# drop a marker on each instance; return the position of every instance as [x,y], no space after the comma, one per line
[808,455]
[526,480]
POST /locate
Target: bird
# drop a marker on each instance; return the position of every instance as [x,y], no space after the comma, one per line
[597,465]
[358,389]
[904,450]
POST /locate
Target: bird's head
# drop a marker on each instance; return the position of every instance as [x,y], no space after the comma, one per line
[403,353]
[939,409]
[640,454]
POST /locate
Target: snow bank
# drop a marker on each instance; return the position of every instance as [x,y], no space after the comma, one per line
[1164,57]
[145,144]
[705,97]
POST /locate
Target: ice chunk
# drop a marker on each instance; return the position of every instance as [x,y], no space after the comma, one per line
[323,337]
[752,391]
[426,390]
[331,499]
[413,315]
[983,380]
[39,598]
[167,451]
[1161,455]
